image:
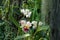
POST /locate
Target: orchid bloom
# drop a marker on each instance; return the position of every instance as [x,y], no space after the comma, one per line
[22,22]
[34,24]
[22,10]
[26,12]
[40,23]
[25,25]
[28,15]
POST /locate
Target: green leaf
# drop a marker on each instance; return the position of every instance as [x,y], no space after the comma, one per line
[43,28]
[13,19]
[22,36]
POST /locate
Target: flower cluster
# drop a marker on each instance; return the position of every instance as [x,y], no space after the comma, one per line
[26,12]
[25,25]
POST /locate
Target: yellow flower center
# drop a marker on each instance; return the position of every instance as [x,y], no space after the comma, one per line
[26,26]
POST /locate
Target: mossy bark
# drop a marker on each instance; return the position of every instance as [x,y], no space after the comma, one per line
[55,20]
[44,10]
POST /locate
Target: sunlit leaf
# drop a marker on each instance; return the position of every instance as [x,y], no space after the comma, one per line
[22,36]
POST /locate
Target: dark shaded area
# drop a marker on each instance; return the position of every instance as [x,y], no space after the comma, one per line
[2,30]
[1,2]
[55,20]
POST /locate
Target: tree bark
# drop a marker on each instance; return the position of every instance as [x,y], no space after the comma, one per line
[44,10]
[55,20]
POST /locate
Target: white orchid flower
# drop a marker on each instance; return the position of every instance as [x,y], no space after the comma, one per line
[34,24]
[26,12]
[22,10]
[40,23]
[23,23]
[28,15]
[27,26]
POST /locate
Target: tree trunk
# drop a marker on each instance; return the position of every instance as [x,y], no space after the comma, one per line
[55,20]
[44,10]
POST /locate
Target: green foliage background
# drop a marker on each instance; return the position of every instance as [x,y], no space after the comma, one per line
[10,16]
